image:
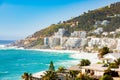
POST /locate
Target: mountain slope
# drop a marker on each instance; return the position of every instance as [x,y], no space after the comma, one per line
[85,22]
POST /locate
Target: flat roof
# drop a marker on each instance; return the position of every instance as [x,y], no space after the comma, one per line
[97,67]
[77,68]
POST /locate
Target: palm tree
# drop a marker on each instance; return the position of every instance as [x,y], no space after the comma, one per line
[25,76]
[51,67]
[73,74]
[30,76]
[49,75]
[61,69]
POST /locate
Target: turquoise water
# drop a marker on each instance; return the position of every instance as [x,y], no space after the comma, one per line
[13,63]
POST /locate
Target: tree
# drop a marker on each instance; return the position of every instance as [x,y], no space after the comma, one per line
[106,77]
[49,75]
[61,69]
[25,76]
[30,76]
[85,62]
[73,74]
[103,51]
[51,67]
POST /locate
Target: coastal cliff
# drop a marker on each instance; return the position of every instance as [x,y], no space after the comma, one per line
[100,27]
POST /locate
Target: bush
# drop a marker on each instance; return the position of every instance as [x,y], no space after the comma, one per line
[106,77]
[105,65]
[85,62]
[103,51]
[99,62]
[113,65]
[111,73]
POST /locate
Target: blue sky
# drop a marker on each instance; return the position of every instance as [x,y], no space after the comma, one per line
[20,18]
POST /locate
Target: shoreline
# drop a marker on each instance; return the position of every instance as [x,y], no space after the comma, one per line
[53,50]
[74,54]
[45,50]
[77,55]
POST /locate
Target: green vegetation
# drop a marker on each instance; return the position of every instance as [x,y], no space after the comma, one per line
[51,67]
[103,51]
[84,22]
[106,77]
[61,69]
[111,73]
[40,41]
[83,77]
[50,74]
[99,62]
[85,62]
[113,65]
[73,74]
[51,30]
[117,61]
[26,76]
[114,24]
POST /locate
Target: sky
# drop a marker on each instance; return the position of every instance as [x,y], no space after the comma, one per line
[21,18]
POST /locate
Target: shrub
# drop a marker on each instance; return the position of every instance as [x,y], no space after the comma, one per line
[111,73]
[99,62]
[103,51]
[85,62]
[106,77]
[113,65]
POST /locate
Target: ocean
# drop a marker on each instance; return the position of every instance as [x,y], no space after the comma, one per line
[3,42]
[14,62]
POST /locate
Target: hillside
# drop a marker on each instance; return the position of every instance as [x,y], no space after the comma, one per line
[84,22]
